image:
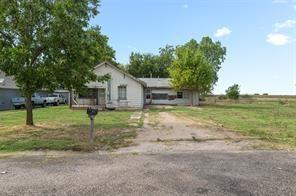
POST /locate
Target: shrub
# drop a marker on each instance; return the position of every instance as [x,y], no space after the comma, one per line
[233,92]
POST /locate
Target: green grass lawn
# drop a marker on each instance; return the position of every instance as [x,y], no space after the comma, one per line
[272,121]
[59,128]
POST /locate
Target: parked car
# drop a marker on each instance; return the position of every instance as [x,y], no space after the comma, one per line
[20,102]
[55,99]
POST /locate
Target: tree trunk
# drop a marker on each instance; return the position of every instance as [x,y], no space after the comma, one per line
[70,98]
[29,108]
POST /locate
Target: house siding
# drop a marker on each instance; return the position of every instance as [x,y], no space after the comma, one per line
[5,98]
[134,89]
[176,101]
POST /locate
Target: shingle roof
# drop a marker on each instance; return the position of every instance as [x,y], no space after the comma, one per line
[157,82]
[7,81]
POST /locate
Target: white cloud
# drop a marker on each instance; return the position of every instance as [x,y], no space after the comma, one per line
[294,7]
[224,31]
[185,6]
[288,24]
[277,39]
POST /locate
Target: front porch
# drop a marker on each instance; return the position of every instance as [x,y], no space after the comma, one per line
[92,97]
[99,98]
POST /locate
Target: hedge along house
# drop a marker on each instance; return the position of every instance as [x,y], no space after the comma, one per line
[160,91]
[125,91]
[121,91]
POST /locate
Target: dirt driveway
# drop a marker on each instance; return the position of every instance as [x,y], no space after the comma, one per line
[164,131]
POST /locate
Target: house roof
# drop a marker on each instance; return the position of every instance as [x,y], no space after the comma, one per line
[157,82]
[7,82]
[121,71]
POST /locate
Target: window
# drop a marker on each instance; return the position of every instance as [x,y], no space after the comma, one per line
[159,96]
[122,93]
[180,95]
[88,94]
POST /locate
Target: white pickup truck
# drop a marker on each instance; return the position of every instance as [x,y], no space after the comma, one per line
[55,99]
[20,102]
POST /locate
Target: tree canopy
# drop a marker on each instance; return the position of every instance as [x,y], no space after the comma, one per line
[146,65]
[196,65]
[49,44]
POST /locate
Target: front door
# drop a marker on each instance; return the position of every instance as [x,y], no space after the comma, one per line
[101,96]
[148,97]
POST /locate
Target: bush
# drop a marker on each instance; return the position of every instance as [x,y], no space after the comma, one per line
[233,92]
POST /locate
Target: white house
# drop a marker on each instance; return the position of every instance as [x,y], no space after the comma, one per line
[125,91]
[121,91]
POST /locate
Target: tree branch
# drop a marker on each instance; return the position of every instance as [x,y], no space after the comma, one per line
[38,52]
[7,38]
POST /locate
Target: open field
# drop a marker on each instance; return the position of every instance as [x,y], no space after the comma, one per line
[271,121]
[59,128]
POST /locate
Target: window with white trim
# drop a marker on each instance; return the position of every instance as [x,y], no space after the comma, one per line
[121,92]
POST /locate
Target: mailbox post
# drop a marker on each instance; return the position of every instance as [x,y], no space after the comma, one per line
[91,112]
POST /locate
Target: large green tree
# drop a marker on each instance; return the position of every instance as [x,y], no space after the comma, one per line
[146,65]
[196,65]
[214,52]
[49,44]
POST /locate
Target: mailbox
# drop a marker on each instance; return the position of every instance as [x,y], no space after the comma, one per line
[92,112]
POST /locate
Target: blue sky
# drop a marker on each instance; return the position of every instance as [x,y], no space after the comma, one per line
[260,36]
